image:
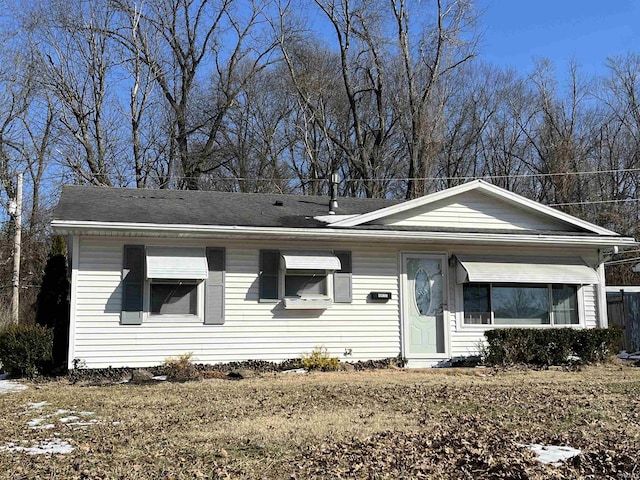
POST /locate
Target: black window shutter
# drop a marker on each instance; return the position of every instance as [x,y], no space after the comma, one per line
[342,290]
[132,285]
[214,287]
[269,270]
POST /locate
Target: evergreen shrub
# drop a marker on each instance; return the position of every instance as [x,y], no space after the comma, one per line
[550,346]
[26,350]
[52,304]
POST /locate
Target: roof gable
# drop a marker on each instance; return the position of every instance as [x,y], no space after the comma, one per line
[478,204]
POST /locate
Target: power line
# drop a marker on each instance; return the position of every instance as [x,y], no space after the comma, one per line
[594,202]
[626,260]
[386,179]
[302,179]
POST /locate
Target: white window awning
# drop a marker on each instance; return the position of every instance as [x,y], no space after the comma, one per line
[506,269]
[177,263]
[311,261]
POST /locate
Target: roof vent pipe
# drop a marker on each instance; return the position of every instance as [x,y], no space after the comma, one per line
[333,187]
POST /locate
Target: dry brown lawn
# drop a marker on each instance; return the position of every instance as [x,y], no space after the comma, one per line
[375,424]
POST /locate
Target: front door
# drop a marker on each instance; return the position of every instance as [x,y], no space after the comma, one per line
[424,288]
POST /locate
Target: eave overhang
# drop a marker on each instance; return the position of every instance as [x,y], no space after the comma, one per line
[90,228]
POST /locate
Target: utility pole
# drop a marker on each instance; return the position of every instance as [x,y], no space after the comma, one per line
[17,239]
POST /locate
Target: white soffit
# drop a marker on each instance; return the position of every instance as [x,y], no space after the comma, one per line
[177,263]
[310,261]
[505,269]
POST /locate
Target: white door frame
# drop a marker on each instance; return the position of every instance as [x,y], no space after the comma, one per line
[445,305]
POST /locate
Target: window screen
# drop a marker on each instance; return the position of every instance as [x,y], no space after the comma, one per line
[174,299]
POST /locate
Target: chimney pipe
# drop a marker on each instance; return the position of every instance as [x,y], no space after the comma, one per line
[333,187]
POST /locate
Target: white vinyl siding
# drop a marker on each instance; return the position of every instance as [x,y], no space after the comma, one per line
[477,209]
[258,330]
[590,299]
[252,330]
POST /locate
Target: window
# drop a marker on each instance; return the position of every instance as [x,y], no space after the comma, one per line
[174,274]
[298,283]
[520,304]
[291,275]
[269,271]
[565,305]
[342,289]
[172,280]
[173,298]
[477,303]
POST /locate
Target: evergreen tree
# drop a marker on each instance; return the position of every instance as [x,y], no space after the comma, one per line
[52,305]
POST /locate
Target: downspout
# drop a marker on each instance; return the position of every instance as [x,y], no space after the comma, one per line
[73,301]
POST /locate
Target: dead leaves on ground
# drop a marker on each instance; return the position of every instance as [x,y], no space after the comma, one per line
[467,447]
[380,425]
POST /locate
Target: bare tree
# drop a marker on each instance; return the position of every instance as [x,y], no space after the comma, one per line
[345,96]
[76,62]
[560,136]
[504,144]
[617,145]
[471,100]
[178,39]
[24,144]
[442,47]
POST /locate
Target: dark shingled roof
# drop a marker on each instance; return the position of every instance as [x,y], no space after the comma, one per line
[129,205]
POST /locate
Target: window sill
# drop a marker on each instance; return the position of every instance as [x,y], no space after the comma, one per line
[307,303]
[173,318]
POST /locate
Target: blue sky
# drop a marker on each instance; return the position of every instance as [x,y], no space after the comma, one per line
[514,32]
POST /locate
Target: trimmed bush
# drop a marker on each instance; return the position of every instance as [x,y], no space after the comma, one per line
[598,344]
[550,346]
[26,350]
[319,359]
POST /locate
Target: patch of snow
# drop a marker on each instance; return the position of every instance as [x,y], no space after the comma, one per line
[624,355]
[35,422]
[46,447]
[83,424]
[35,405]
[46,426]
[295,370]
[160,378]
[9,386]
[552,454]
[70,418]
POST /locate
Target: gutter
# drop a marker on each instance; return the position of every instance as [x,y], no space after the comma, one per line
[75,227]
